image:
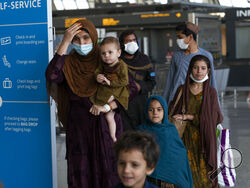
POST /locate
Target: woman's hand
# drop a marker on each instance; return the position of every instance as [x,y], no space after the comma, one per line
[68,37]
[96,110]
[178,117]
[183,117]
[71,32]
[138,86]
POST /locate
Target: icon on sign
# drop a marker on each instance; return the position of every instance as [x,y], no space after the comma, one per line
[5,62]
[1,101]
[5,40]
[7,83]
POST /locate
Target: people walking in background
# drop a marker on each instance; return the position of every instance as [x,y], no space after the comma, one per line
[141,70]
[173,167]
[112,76]
[186,34]
[70,82]
[137,154]
[202,113]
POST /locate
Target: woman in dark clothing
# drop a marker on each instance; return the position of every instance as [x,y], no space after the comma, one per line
[70,82]
[202,113]
[141,70]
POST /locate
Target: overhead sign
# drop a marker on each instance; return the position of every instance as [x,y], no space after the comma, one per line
[237,14]
[109,21]
[25,131]
[121,20]
[154,15]
[70,21]
[243,13]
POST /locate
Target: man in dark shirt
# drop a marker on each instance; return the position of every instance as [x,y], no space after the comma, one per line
[141,70]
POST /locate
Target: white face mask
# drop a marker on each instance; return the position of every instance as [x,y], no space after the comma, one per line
[199,81]
[182,45]
[131,47]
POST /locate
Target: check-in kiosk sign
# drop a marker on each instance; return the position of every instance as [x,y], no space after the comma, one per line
[25,134]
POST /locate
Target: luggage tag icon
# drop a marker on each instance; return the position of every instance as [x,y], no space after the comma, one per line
[7,83]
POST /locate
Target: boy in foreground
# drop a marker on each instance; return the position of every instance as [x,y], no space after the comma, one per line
[137,154]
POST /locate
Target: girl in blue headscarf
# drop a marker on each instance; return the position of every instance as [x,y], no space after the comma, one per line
[173,168]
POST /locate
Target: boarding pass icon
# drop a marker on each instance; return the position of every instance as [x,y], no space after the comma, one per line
[5,40]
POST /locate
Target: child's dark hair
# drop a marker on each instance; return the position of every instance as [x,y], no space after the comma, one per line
[110,40]
[142,141]
[184,30]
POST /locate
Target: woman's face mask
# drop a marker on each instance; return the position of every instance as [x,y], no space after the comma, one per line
[182,45]
[199,71]
[131,47]
[83,49]
[198,81]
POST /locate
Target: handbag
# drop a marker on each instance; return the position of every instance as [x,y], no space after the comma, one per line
[227,177]
[179,124]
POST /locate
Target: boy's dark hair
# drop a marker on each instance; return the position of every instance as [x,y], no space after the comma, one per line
[184,30]
[142,141]
[110,40]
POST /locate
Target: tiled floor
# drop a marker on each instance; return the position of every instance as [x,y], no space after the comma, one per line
[236,118]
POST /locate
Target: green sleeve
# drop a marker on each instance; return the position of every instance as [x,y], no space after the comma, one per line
[122,77]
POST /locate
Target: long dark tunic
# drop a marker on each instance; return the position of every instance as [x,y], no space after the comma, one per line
[141,70]
[192,141]
[89,147]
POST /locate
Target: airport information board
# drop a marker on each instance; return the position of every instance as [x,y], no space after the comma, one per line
[25,131]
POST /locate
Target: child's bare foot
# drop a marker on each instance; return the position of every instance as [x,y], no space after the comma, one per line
[114,138]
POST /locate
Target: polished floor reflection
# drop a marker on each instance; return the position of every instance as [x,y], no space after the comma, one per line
[236,113]
[237,119]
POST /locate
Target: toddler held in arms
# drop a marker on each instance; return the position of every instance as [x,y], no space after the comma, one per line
[112,76]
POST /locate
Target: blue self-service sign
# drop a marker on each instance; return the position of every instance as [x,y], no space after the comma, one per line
[26,136]
[23,11]
[24,57]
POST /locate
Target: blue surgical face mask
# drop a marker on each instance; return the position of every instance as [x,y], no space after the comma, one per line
[83,49]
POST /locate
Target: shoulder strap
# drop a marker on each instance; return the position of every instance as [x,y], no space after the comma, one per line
[177,100]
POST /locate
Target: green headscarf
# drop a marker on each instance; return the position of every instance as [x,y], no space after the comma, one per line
[173,164]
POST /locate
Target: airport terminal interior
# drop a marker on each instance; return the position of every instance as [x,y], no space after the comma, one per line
[217,23]
[224,32]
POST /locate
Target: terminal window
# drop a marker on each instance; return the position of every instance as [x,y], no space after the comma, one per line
[242,39]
